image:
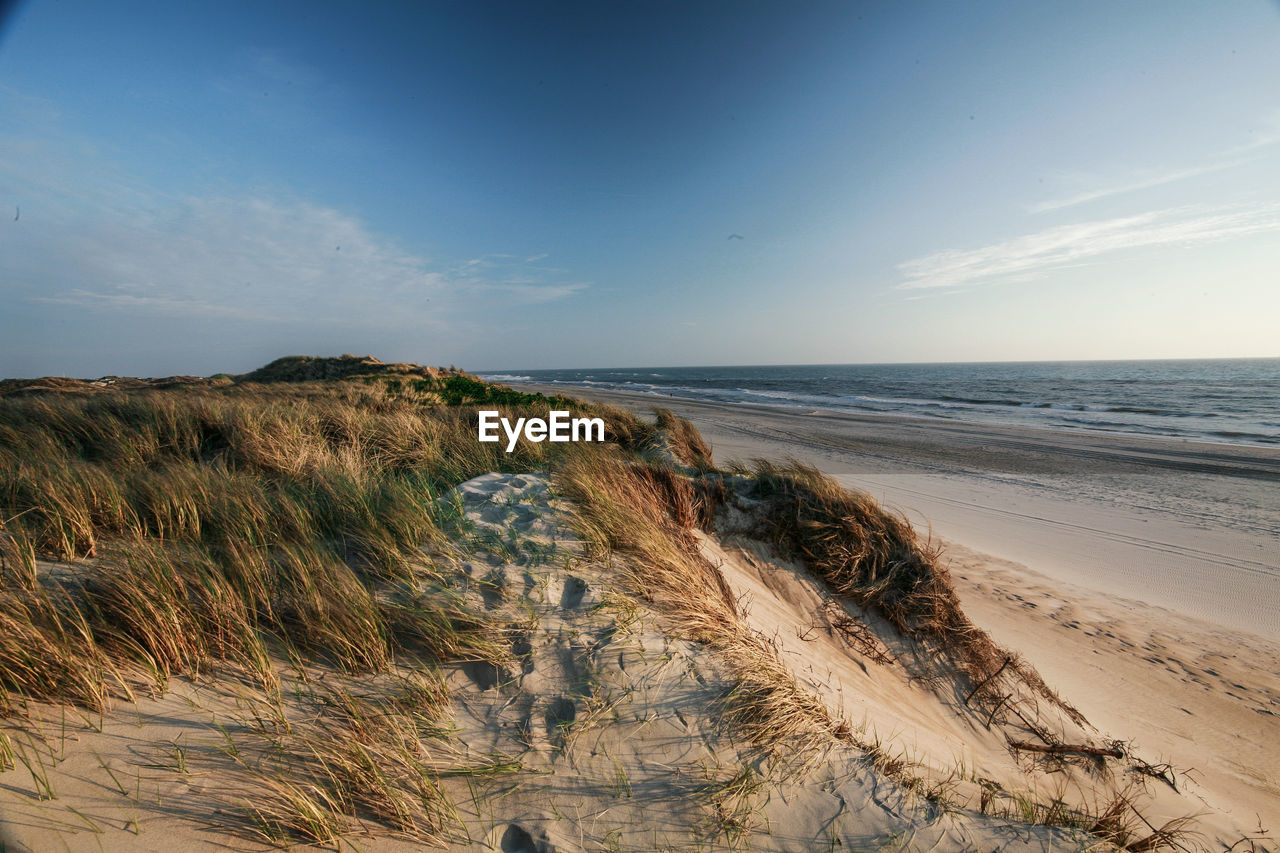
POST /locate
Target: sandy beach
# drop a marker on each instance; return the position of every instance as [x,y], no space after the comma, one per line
[1141,577]
[623,646]
[1190,527]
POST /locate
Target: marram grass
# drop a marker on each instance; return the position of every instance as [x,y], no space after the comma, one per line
[154,531]
[192,525]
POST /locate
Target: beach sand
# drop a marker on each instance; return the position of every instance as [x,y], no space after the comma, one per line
[609,717]
[1135,576]
[1140,577]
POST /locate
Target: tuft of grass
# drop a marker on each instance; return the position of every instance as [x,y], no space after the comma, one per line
[355,762]
[48,652]
[641,509]
[875,559]
[683,439]
[284,812]
[736,804]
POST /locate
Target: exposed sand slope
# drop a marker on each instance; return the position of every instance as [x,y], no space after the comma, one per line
[1147,559]
[923,721]
[621,719]
[611,718]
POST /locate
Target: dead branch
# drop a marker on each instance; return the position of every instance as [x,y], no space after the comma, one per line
[1068,749]
[987,680]
[1163,772]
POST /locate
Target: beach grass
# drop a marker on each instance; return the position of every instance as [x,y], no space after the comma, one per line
[646,510]
[184,527]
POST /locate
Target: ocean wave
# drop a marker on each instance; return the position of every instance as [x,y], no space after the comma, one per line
[1168,413]
[507,377]
[1183,409]
[1066,407]
[1127,426]
[1077,407]
[981,401]
[1250,436]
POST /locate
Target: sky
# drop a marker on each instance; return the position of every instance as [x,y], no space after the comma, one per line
[200,188]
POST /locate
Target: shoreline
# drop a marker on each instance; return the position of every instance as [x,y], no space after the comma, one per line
[1184,526]
[1140,579]
[1226,438]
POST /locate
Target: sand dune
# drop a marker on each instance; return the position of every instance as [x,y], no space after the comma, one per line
[600,724]
[1186,526]
[608,718]
[1142,578]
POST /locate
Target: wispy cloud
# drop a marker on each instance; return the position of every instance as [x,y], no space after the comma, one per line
[530,293]
[272,85]
[98,239]
[257,258]
[1057,247]
[252,257]
[519,280]
[1265,135]
[1140,183]
[122,299]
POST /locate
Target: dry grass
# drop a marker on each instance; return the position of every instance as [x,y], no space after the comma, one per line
[202,524]
[354,763]
[150,532]
[645,510]
[684,440]
[875,559]
[209,523]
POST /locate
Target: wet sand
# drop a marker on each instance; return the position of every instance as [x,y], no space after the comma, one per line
[1185,526]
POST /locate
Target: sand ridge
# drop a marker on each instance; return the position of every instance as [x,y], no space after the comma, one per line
[1125,584]
[601,731]
[615,713]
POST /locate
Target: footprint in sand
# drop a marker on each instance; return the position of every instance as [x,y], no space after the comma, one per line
[485,675]
[561,713]
[518,840]
[574,590]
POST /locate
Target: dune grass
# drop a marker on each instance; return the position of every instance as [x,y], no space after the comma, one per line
[154,531]
[874,558]
[646,510]
[354,761]
[203,524]
[684,440]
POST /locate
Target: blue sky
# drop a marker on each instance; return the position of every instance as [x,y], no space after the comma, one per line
[519,185]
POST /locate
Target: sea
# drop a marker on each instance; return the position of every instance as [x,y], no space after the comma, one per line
[1231,401]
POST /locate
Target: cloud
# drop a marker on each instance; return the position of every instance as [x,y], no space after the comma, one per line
[1265,135]
[279,88]
[256,258]
[1132,186]
[533,294]
[252,257]
[518,280]
[122,299]
[1067,244]
[95,238]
